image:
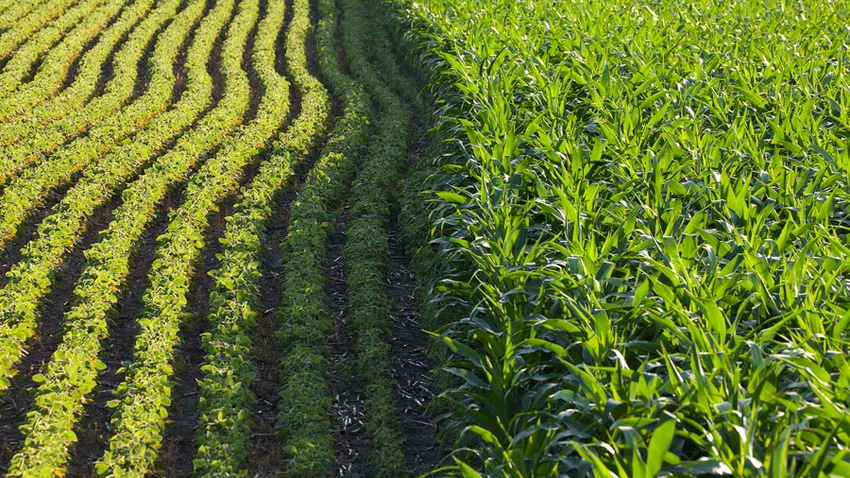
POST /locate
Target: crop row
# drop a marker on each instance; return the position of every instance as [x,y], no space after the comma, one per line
[224,418]
[4,4]
[36,18]
[305,321]
[366,245]
[14,10]
[646,238]
[103,142]
[111,122]
[116,133]
[396,68]
[84,20]
[28,126]
[144,395]
[72,370]
[58,60]
[31,278]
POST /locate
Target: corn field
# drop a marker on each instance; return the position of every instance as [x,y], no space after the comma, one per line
[389,238]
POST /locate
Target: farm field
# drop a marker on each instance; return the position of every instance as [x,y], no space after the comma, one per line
[361,238]
[201,257]
[644,233]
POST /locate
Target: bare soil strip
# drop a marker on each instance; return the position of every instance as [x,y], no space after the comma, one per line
[349,401]
[93,429]
[18,399]
[411,369]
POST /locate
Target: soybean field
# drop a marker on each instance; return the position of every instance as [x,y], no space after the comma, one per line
[389,238]
[201,252]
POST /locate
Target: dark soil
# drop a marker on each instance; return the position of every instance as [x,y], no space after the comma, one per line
[11,253]
[265,452]
[411,369]
[414,387]
[256,90]
[75,65]
[143,77]
[178,444]
[93,430]
[265,456]
[18,399]
[342,59]
[214,63]
[348,396]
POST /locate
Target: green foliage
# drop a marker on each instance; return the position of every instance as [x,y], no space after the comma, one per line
[305,322]
[59,60]
[365,249]
[25,20]
[224,422]
[33,136]
[638,221]
[33,186]
[147,386]
[13,10]
[72,370]
[31,279]
[644,222]
[78,25]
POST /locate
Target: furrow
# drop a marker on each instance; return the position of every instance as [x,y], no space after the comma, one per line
[124,34]
[366,249]
[37,142]
[30,279]
[348,406]
[59,60]
[24,27]
[30,189]
[224,422]
[306,323]
[71,374]
[77,25]
[410,368]
[14,10]
[147,385]
[44,342]
[415,388]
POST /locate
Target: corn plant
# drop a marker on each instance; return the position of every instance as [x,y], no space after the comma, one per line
[644,222]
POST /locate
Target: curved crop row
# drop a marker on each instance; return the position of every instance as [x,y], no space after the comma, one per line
[71,372]
[24,27]
[80,24]
[37,141]
[388,63]
[30,189]
[31,278]
[4,4]
[366,247]
[144,396]
[15,10]
[54,69]
[138,18]
[305,320]
[224,421]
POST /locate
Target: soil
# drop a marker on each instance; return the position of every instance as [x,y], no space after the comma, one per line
[93,430]
[411,370]
[348,397]
[18,399]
